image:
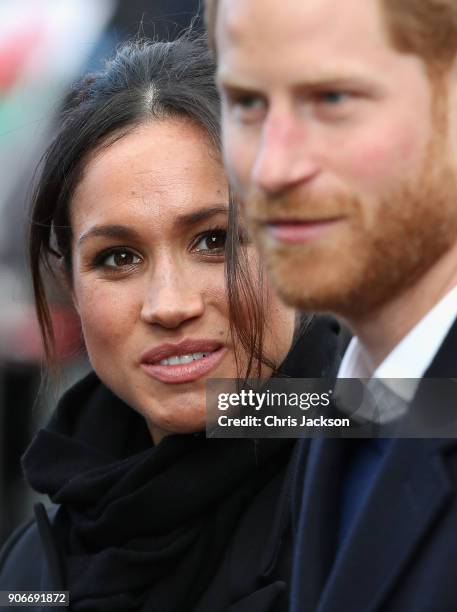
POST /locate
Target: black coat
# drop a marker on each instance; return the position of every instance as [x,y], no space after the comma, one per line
[239,555]
[401,555]
[252,577]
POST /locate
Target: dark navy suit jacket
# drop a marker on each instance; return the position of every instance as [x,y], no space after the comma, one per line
[401,554]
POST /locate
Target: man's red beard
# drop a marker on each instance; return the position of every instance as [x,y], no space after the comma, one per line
[378,249]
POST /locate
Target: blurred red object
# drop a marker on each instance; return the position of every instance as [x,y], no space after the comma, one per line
[24,339]
[15,52]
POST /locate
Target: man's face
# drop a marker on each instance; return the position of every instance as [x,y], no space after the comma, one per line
[337,148]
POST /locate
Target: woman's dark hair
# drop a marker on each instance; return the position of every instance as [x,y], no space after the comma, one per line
[145,80]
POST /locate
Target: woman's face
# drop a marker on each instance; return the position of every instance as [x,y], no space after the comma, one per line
[149,219]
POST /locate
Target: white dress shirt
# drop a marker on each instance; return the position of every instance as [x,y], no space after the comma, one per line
[412,355]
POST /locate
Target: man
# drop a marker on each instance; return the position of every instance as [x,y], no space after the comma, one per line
[340,138]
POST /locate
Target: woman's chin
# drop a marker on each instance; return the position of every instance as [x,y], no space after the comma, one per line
[177,420]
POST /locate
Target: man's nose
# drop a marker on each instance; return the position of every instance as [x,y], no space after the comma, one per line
[172,298]
[284,157]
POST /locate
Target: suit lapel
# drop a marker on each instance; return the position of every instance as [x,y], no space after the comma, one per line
[412,488]
[444,365]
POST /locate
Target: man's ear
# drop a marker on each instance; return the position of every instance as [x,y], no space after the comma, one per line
[64,278]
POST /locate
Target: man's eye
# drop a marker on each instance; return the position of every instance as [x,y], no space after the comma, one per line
[119,258]
[211,241]
[244,106]
[249,102]
[333,98]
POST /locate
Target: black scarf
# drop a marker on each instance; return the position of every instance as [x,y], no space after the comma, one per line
[143,527]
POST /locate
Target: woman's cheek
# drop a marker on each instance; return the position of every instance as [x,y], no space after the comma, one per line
[211,282]
[107,313]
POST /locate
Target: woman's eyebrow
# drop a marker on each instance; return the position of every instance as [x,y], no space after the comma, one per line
[123,232]
[109,231]
[201,214]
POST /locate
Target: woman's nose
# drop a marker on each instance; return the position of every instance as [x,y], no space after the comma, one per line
[171,299]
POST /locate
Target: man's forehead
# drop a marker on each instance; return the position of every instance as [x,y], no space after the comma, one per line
[289,17]
[310,35]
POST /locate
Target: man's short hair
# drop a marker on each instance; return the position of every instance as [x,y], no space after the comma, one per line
[427,28]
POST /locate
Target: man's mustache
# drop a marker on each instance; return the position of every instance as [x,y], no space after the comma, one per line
[299,205]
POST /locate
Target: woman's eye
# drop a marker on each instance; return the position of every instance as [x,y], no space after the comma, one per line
[213,241]
[120,259]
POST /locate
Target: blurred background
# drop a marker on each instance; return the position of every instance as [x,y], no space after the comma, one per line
[44,46]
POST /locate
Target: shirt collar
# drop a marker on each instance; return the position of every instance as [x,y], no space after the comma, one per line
[412,355]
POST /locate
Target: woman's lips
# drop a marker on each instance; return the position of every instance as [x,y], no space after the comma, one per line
[297,231]
[185,372]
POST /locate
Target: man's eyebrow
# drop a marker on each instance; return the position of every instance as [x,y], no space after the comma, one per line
[224,78]
[311,78]
[346,78]
[124,232]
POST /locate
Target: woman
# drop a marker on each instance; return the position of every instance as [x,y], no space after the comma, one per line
[133,208]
